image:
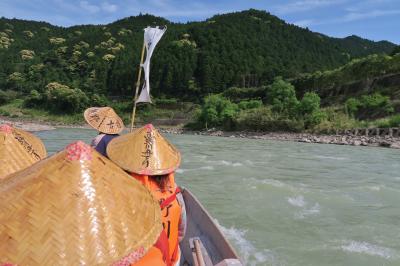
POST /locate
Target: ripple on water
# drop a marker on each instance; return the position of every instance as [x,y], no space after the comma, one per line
[369,249]
[315,209]
[331,157]
[207,167]
[300,202]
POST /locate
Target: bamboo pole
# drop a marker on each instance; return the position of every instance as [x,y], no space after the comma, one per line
[137,87]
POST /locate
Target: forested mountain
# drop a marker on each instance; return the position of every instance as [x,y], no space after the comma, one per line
[243,49]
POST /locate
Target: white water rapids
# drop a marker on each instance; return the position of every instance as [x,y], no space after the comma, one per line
[286,203]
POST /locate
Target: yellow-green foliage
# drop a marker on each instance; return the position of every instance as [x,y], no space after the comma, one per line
[9,31]
[16,77]
[89,54]
[56,85]
[45,29]
[107,44]
[61,50]
[55,40]
[124,32]
[185,42]
[36,68]
[76,54]
[27,54]
[118,47]
[28,34]
[5,40]
[108,57]
[335,119]
[78,32]
[81,45]
[107,33]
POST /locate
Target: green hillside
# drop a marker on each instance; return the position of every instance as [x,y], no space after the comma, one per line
[47,70]
[246,48]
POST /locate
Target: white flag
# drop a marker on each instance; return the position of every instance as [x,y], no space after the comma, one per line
[151,37]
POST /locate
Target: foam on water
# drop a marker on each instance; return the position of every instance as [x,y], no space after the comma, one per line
[228,163]
[374,188]
[297,201]
[248,162]
[315,209]
[273,182]
[369,249]
[248,253]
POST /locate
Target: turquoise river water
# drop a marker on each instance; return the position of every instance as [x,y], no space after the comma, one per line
[287,203]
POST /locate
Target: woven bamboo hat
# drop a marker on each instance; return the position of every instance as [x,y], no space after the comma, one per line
[18,150]
[145,152]
[104,119]
[76,208]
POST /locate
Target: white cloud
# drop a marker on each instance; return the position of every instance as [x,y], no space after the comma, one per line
[353,16]
[305,5]
[368,5]
[304,23]
[111,8]
[167,8]
[89,7]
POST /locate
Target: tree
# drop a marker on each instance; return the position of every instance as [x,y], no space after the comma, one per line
[309,104]
[282,96]
[217,111]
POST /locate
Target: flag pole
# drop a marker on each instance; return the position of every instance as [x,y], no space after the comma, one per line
[137,87]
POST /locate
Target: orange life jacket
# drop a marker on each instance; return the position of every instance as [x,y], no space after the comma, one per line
[170,210]
[158,254]
[153,257]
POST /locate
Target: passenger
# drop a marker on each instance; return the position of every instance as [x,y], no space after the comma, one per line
[152,160]
[18,150]
[82,211]
[107,122]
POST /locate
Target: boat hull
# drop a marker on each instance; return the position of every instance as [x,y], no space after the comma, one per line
[200,225]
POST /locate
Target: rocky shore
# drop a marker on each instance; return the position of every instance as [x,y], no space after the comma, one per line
[27,126]
[340,139]
[372,141]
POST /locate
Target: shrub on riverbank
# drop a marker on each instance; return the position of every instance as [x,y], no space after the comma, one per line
[7,96]
[264,119]
[284,111]
[369,106]
[60,98]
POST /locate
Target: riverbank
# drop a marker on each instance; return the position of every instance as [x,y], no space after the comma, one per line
[371,141]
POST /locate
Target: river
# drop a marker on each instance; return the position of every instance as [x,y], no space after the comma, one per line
[288,203]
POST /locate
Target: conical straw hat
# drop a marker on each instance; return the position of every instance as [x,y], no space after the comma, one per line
[18,150]
[104,119]
[144,151]
[76,208]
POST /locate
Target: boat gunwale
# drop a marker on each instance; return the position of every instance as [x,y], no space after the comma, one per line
[211,219]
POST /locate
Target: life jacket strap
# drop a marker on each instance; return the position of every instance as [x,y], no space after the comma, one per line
[170,199]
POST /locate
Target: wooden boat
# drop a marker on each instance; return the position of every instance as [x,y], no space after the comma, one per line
[204,244]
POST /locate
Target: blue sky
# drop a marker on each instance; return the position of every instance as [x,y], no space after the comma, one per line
[371,19]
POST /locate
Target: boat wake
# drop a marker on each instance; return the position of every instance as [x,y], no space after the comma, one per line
[248,253]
